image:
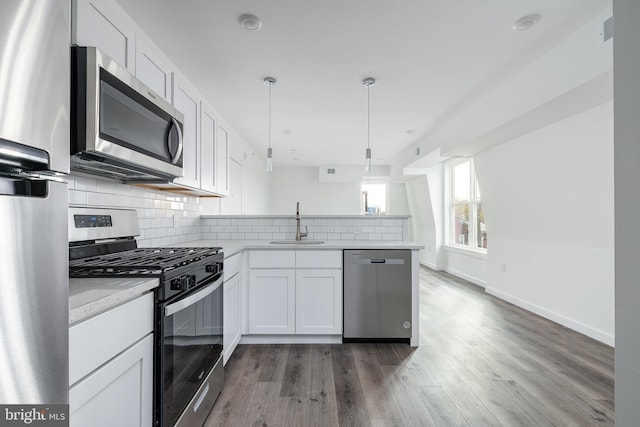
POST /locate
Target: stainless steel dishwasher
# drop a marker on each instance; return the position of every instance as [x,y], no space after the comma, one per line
[377,295]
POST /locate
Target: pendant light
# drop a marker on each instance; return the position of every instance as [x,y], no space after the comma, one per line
[269,81]
[368,82]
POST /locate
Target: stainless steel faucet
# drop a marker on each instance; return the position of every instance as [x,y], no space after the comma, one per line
[299,234]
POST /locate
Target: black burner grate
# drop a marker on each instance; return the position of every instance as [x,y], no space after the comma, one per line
[139,262]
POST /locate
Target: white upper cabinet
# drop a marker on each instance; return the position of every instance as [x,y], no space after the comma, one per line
[222,161]
[105,25]
[153,68]
[208,155]
[187,100]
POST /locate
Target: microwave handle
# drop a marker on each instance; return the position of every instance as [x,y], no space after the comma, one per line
[180,142]
[191,299]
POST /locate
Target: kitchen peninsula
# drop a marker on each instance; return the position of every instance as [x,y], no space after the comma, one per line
[281,290]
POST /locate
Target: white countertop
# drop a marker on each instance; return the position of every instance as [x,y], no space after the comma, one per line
[88,297]
[232,247]
[292,216]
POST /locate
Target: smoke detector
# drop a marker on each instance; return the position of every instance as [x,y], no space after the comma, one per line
[526,22]
[250,22]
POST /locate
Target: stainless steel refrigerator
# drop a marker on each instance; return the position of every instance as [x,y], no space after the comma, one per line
[34,155]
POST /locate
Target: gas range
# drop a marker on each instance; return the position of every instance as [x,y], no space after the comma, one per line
[188,333]
[178,269]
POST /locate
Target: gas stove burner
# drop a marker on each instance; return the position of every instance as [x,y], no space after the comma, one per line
[140,262]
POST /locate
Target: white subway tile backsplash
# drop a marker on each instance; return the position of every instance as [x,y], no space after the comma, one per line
[167,218]
[77,197]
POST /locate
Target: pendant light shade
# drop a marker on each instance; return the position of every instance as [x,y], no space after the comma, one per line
[368,82]
[270,82]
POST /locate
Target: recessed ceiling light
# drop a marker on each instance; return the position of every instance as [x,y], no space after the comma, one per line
[250,22]
[409,131]
[526,22]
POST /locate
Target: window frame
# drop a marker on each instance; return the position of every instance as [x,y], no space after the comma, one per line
[475,200]
[386,195]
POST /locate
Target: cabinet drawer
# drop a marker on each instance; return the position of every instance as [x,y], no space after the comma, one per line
[272,259]
[318,259]
[232,266]
[98,339]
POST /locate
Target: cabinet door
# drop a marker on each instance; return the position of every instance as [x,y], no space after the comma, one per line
[222,161]
[208,159]
[272,301]
[187,101]
[153,68]
[120,393]
[105,25]
[318,301]
[232,314]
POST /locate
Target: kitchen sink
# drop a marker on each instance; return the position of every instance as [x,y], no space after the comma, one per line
[297,242]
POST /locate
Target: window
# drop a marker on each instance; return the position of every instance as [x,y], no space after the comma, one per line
[466,219]
[374,198]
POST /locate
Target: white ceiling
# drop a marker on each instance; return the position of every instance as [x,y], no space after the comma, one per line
[428,57]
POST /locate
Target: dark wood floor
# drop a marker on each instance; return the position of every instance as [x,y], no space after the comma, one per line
[482,362]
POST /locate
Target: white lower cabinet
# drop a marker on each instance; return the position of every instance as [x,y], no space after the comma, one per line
[232,316]
[272,301]
[300,300]
[111,367]
[119,393]
[319,301]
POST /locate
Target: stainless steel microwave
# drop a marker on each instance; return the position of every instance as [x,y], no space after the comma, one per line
[120,128]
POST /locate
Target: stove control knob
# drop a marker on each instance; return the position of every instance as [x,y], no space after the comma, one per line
[183,283]
[212,268]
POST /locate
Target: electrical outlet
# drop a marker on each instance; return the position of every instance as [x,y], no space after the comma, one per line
[429,248]
[503,268]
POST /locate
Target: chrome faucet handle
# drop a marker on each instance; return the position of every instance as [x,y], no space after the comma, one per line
[306,232]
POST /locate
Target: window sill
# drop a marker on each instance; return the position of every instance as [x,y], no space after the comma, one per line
[475,253]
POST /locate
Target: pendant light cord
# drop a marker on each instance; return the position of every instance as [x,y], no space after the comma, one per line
[368,114]
[270,85]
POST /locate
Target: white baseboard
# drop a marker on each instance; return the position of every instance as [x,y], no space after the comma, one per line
[465,276]
[291,339]
[587,330]
[430,265]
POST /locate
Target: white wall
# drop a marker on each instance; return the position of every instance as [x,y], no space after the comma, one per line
[255,196]
[548,202]
[627,207]
[289,185]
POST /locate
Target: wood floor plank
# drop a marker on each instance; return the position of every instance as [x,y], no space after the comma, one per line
[441,407]
[297,373]
[350,399]
[469,405]
[273,362]
[377,395]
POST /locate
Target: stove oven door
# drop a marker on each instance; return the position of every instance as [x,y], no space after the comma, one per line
[190,348]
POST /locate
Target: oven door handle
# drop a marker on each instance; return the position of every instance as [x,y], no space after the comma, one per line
[191,299]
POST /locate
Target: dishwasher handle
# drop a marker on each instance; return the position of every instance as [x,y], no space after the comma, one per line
[398,261]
